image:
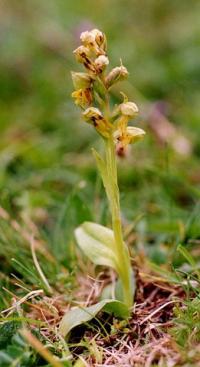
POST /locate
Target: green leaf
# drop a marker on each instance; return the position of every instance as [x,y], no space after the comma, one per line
[184,252]
[97,243]
[78,316]
[100,165]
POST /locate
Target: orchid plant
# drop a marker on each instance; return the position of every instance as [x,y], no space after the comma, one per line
[105,246]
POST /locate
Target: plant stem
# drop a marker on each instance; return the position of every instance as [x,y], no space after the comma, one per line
[114,201]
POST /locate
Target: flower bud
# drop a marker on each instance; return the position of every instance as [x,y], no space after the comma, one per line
[100,38]
[83,97]
[95,40]
[82,55]
[129,109]
[100,63]
[135,134]
[130,136]
[94,116]
[81,80]
[87,38]
[117,74]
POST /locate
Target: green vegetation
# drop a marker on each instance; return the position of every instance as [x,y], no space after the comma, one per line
[49,184]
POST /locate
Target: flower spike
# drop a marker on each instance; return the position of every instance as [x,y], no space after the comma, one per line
[92,94]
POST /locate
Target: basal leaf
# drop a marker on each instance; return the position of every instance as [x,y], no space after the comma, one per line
[97,243]
[78,316]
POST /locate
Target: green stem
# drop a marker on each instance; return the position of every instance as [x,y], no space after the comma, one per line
[114,201]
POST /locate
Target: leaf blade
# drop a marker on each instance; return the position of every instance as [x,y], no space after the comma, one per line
[97,243]
[78,316]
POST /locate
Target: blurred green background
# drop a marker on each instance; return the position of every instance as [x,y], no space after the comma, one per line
[47,172]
